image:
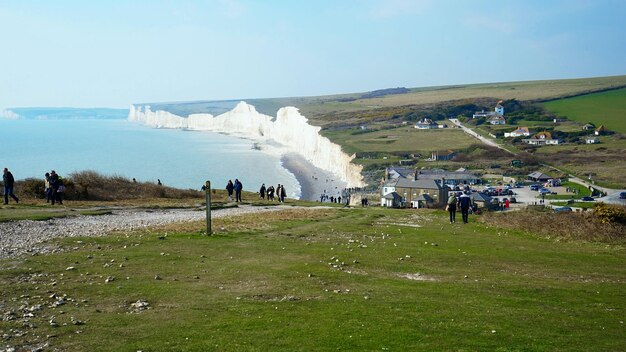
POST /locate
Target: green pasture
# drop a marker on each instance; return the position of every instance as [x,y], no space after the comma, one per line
[606,108]
[401,139]
[318,280]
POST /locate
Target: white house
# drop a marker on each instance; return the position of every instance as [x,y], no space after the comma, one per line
[497,120]
[497,111]
[519,132]
[426,124]
[541,138]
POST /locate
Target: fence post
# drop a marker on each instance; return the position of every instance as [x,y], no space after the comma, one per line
[208,207]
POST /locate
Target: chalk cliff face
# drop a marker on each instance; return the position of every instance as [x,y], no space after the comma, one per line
[289,128]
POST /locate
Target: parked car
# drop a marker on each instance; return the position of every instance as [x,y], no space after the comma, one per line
[563,210]
[622,195]
[513,200]
[518,185]
[534,187]
[544,191]
[587,199]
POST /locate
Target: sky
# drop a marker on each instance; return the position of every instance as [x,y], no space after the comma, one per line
[118,52]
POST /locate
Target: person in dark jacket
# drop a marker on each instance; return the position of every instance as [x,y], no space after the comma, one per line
[229,188]
[451,207]
[55,184]
[262,191]
[9,181]
[238,189]
[464,203]
[283,193]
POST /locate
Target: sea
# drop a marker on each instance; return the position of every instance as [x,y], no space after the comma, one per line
[34,141]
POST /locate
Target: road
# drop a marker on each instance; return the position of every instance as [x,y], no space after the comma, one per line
[612,195]
[486,141]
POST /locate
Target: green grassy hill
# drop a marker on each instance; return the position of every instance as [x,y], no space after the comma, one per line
[319,280]
[316,107]
[605,108]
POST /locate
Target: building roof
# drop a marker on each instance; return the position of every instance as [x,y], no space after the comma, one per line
[419,183]
[521,130]
[601,128]
[539,175]
[480,197]
[448,175]
[425,198]
[393,196]
[543,135]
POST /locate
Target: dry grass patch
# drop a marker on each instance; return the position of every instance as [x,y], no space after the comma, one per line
[585,226]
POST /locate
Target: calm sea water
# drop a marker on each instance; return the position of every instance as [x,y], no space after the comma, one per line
[183,159]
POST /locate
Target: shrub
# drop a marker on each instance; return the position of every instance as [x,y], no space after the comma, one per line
[608,214]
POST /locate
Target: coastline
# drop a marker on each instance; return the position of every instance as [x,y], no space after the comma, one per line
[313,180]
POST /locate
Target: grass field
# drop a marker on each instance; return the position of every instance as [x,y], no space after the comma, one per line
[315,107]
[401,139]
[529,90]
[319,279]
[606,108]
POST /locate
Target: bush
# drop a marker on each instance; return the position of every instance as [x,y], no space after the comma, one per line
[609,214]
[604,225]
[90,185]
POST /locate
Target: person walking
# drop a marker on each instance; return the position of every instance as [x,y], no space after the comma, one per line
[262,191]
[46,188]
[270,193]
[464,203]
[55,184]
[451,207]
[229,188]
[278,192]
[9,181]
[238,189]
[283,194]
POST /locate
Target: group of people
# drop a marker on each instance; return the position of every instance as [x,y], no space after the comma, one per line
[236,187]
[271,193]
[325,197]
[461,201]
[53,187]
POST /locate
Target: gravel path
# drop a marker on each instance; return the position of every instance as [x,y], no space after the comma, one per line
[26,236]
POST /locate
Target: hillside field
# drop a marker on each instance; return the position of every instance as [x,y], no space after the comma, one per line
[367,279]
[606,108]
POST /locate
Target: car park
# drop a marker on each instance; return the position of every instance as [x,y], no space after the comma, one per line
[587,199]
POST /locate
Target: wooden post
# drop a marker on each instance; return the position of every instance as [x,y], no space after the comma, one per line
[208,207]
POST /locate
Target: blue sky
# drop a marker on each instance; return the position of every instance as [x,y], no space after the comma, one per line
[114,53]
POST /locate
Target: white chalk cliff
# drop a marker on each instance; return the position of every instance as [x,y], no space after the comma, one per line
[289,128]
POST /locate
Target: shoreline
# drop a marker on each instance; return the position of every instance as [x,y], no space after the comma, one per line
[313,181]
